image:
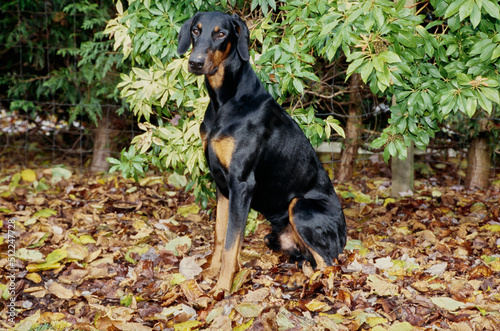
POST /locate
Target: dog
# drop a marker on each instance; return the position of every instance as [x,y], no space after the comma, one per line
[257,155]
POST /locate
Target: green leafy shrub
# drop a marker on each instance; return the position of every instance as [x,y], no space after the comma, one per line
[433,68]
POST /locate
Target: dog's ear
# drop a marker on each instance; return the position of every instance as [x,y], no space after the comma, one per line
[243,37]
[184,38]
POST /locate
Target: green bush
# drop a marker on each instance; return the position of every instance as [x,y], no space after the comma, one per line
[434,69]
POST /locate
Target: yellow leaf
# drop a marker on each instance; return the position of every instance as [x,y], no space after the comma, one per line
[363,198]
[87,239]
[315,305]
[56,255]
[177,279]
[337,318]
[388,201]
[189,209]
[372,321]
[244,326]
[187,326]
[42,267]
[4,290]
[28,175]
[34,277]
[491,227]
[436,193]
[28,322]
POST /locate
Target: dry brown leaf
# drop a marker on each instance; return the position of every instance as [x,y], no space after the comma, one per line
[258,295]
[317,306]
[60,291]
[191,290]
[382,286]
[75,276]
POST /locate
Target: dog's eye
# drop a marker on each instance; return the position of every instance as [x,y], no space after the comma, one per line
[221,35]
[195,32]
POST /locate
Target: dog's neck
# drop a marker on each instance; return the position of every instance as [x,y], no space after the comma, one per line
[235,79]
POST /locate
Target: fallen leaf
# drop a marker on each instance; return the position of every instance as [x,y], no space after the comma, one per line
[447,303]
[383,263]
[59,173]
[179,241]
[60,291]
[353,244]
[401,326]
[315,305]
[239,279]
[134,327]
[31,255]
[437,269]
[47,212]
[191,290]
[189,268]
[189,209]
[34,277]
[382,286]
[28,175]
[187,326]
[248,309]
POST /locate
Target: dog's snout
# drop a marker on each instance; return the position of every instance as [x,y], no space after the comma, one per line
[196,64]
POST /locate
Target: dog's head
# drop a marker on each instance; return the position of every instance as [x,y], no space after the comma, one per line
[215,37]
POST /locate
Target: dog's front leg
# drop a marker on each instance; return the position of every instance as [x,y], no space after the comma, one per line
[220,234]
[239,205]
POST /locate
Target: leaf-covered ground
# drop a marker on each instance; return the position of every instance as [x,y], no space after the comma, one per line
[103,253]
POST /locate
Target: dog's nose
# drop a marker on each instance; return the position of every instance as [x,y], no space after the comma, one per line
[196,64]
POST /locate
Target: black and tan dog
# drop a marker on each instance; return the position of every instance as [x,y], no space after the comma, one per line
[258,156]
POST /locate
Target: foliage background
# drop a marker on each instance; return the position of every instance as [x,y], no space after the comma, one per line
[439,60]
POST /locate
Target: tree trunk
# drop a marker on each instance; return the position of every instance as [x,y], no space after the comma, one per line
[402,174]
[102,148]
[353,131]
[403,171]
[478,163]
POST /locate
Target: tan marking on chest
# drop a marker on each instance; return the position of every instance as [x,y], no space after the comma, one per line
[224,149]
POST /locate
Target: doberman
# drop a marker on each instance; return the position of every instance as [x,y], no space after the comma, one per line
[258,156]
